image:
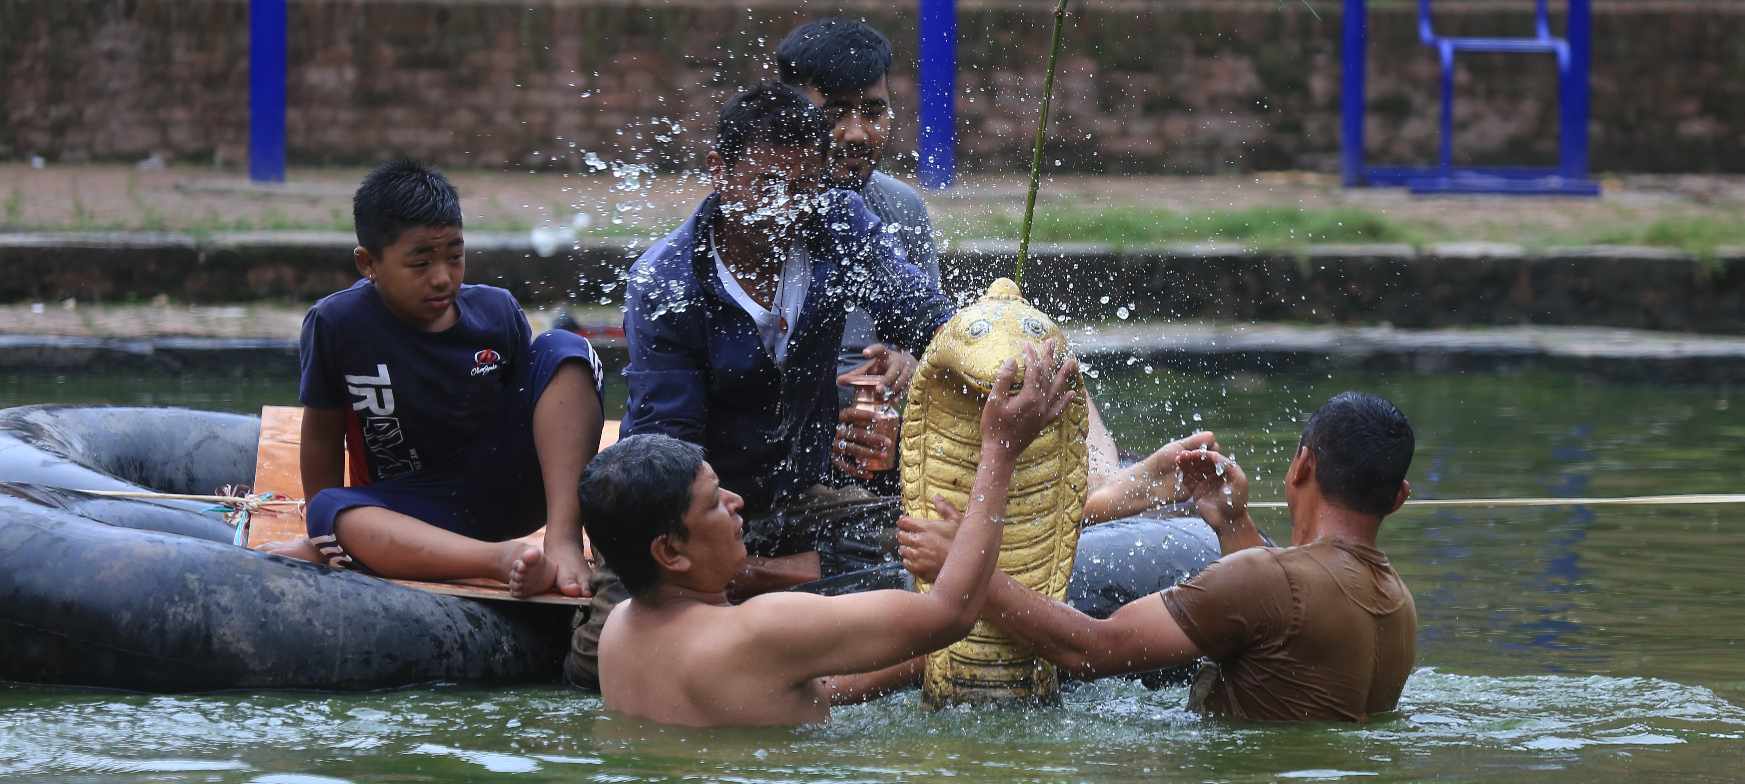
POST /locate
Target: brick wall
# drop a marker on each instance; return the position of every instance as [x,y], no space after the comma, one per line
[1161,86]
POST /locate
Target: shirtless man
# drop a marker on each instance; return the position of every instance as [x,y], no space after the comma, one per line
[678,653]
[1321,630]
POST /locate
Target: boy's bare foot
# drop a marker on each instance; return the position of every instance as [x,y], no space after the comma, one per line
[299,548]
[573,570]
[530,573]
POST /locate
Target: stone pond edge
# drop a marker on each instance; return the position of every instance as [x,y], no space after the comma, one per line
[1442,285]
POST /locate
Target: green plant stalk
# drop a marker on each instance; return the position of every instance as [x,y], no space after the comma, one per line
[1036,149]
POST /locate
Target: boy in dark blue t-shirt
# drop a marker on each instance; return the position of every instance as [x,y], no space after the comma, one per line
[462,430]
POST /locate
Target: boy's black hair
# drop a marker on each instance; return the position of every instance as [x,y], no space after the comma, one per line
[1363,447]
[399,195]
[770,113]
[834,54]
[634,492]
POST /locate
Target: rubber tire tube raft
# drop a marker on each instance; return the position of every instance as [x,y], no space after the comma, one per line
[85,601]
[170,450]
[87,604]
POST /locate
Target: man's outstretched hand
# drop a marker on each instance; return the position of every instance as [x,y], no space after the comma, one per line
[1218,487]
[1152,483]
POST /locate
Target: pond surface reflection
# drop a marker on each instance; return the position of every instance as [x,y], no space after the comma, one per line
[1558,643]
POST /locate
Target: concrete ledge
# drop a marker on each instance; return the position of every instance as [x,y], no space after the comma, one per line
[1215,348]
[1464,284]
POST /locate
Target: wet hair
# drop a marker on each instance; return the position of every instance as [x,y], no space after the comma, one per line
[399,195]
[1362,446]
[834,54]
[634,492]
[770,113]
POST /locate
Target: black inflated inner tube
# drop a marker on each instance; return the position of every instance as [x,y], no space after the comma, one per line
[166,450]
[94,605]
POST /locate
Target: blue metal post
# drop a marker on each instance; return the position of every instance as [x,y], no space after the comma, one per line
[266,90]
[1572,126]
[1354,57]
[1445,153]
[937,88]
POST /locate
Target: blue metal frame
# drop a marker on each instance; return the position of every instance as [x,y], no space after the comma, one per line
[266,90]
[1573,53]
[937,88]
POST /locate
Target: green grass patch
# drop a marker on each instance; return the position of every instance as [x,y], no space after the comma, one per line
[1698,234]
[1261,227]
[15,207]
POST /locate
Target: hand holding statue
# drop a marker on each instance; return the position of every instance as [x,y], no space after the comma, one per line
[923,543]
[1012,418]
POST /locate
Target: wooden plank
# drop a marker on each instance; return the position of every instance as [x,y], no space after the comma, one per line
[277,471]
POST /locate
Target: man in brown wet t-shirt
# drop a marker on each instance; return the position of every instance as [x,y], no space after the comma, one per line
[1321,630]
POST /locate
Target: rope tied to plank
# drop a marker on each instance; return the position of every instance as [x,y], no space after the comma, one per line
[235,503]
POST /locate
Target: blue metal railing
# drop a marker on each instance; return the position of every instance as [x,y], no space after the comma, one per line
[937,89]
[1573,55]
[266,90]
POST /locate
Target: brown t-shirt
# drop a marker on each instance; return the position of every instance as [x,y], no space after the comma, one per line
[1324,631]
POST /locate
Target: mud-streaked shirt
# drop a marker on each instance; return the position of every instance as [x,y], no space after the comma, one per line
[1325,631]
[416,400]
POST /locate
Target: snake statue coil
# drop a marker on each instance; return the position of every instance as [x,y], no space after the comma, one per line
[941,446]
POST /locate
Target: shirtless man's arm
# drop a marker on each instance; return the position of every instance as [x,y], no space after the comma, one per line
[806,636]
[860,687]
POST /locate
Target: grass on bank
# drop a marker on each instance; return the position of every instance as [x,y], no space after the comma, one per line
[1261,227]
[1265,227]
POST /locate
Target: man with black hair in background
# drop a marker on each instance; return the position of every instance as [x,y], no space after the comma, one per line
[841,65]
[1322,630]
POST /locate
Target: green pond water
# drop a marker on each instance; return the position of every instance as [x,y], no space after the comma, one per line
[1558,644]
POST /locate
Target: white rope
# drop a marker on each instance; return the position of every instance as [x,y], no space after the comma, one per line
[1634,500]
[1692,499]
[242,505]
[256,501]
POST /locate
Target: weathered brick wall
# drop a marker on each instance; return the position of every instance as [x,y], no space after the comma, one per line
[1161,86]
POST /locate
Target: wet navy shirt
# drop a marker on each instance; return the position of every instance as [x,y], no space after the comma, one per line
[699,370]
[417,400]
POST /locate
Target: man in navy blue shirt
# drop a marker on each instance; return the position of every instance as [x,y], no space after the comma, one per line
[734,321]
[463,430]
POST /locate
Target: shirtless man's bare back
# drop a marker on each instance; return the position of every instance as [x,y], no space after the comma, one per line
[679,653]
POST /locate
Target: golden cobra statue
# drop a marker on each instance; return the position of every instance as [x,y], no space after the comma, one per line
[941,446]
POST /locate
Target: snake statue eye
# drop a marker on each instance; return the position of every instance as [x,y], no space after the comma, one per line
[979,328]
[1033,327]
